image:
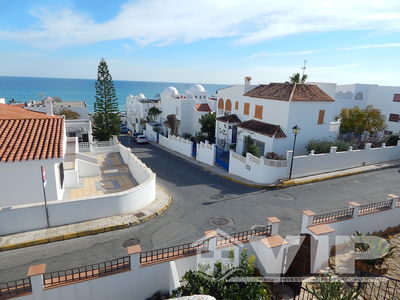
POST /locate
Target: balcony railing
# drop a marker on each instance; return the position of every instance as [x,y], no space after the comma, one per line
[15,288]
[333,216]
[86,272]
[172,252]
[244,235]
[377,206]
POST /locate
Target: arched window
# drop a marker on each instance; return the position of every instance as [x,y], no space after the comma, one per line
[228,105]
[358,96]
[221,104]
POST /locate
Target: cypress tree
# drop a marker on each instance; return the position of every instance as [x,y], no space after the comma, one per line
[106,114]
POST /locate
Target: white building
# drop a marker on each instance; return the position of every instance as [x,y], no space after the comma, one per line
[188,108]
[137,108]
[268,112]
[30,140]
[385,98]
[81,127]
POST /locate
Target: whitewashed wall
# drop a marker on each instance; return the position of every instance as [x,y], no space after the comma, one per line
[205,152]
[141,282]
[260,170]
[177,144]
[32,216]
[21,187]
[150,133]
[320,163]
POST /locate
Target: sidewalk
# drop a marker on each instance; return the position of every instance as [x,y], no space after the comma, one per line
[66,232]
[284,183]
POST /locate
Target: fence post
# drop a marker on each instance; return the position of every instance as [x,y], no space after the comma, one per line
[398,143]
[356,207]
[274,222]
[308,217]
[36,275]
[212,236]
[394,198]
[333,150]
[134,252]
[368,146]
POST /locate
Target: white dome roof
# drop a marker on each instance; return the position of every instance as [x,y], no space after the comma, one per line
[141,96]
[171,91]
[197,88]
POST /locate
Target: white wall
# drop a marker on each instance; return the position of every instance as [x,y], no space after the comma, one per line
[321,163]
[205,152]
[21,182]
[31,217]
[150,133]
[260,170]
[177,144]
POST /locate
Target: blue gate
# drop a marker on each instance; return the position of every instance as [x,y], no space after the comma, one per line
[222,157]
[194,149]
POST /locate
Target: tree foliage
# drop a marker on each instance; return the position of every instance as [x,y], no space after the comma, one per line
[153,113]
[357,121]
[69,114]
[207,129]
[217,284]
[173,123]
[106,113]
[333,290]
[296,78]
[250,147]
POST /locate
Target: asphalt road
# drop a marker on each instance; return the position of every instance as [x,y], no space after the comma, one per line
[198,197]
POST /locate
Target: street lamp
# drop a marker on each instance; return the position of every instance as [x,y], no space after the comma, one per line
[129,138]
[296,130]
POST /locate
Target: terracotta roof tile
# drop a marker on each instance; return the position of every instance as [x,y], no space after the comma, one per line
[29,135]
[290,92]
[268,129]
[202,107]
[229,118]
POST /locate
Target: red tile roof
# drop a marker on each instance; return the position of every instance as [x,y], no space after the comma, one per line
[268,129]
[290,92]
[229,119]
[29,135]
[202,107]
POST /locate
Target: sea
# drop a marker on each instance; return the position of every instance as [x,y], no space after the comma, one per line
[24,89]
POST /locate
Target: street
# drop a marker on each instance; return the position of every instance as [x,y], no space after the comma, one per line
[199,199]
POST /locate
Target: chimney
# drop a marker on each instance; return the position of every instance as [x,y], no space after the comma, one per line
[247,83]
[48,104]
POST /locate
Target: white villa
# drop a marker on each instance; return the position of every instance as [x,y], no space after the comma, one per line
[188,107]
[30,140]
[137,108]
[268,112]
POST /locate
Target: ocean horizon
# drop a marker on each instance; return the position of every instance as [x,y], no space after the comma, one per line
[25,89]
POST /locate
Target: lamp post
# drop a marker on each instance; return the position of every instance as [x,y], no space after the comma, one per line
[129,138]
[296,130]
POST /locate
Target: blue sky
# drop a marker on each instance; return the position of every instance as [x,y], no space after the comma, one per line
[210,41]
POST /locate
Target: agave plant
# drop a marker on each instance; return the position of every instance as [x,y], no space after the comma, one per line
[333,290]
[375,247]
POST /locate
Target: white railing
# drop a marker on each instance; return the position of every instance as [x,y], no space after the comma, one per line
[84,147]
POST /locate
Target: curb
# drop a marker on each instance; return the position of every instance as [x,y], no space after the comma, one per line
[74,235]
[288,183]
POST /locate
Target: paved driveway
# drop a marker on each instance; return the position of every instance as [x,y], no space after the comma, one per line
[200,197]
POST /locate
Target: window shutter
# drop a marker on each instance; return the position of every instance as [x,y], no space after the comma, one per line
[246,110]
[321,116]
[258,112]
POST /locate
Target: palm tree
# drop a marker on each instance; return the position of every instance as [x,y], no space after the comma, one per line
[295,78]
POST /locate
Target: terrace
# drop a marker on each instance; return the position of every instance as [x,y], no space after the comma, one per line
[114,177]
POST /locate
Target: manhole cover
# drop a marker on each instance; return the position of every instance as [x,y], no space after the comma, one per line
[221,221]
[140,215]
[130,242]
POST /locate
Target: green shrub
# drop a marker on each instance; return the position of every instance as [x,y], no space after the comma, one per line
[391,140]
[275,156]
[324,146]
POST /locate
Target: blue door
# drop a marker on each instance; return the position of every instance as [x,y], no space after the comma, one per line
[222,157]
[194,149]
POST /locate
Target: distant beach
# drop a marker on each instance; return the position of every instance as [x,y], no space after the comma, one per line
[24,89]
